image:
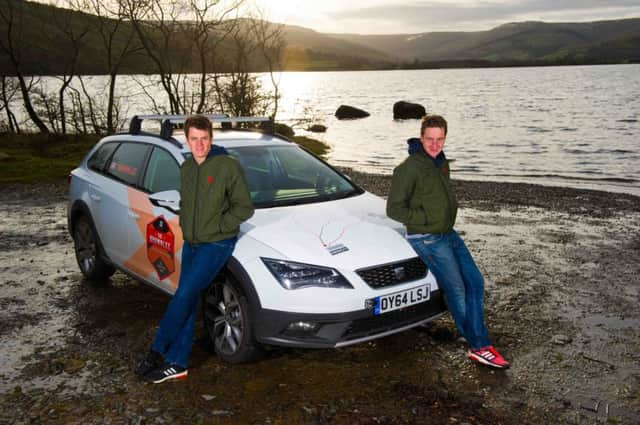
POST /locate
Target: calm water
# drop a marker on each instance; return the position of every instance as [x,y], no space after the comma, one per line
[569,126]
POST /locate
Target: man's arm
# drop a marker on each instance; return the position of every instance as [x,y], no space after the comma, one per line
[240,204]
[398,203]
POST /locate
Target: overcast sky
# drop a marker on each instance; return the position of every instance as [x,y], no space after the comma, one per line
[414,16]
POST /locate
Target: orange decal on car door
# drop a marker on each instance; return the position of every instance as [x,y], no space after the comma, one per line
[140,262]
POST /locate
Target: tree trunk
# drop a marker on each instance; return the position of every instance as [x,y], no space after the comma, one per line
[29,107]
[110,103]
[5,100]
[63,118]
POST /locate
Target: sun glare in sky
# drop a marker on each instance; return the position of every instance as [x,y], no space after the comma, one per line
[414,16]
[291,12]
[417,16]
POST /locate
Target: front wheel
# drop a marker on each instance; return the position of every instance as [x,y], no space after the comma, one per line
[227,318]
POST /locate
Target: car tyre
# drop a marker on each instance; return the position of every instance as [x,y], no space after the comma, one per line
[227,318]
[87,249]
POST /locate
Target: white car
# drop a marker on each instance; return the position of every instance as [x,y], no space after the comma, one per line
[318,265]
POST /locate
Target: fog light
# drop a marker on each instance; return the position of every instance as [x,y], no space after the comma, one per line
[306,327]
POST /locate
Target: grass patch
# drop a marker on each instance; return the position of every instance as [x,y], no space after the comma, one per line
[31,158]
[315,146]
[37,158]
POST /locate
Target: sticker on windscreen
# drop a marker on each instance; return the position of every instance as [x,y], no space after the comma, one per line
[160,247]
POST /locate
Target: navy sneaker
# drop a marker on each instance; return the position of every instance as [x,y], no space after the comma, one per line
[165,373]
[151,361]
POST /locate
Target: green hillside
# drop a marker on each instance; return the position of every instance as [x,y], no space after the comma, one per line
[593,42]
[40,34]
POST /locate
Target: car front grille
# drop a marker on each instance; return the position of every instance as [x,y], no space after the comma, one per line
[362,328]
[394,273]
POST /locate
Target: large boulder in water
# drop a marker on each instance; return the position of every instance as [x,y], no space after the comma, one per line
[317,128]
[406,110]
[345,112]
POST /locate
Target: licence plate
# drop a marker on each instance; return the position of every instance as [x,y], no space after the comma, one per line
[398,300]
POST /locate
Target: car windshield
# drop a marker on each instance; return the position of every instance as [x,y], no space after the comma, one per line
[288,175]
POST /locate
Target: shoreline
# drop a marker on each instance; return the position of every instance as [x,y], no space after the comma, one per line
[489,195]
[483,195]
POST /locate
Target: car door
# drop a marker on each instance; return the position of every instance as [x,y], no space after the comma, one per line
[156,245]
[110,202]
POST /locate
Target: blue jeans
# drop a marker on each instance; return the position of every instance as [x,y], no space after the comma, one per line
[200,264]
[451,263]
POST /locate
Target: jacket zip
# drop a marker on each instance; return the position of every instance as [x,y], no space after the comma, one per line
[447,190]
[195,204]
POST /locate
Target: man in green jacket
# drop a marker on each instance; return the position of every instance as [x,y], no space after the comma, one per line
[421,197]
[214,202]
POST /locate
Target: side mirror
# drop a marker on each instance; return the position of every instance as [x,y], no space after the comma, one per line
[169,199]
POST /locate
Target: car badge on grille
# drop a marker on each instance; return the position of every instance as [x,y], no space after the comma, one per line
[399,273]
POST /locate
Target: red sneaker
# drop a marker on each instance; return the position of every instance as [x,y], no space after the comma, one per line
[488,356]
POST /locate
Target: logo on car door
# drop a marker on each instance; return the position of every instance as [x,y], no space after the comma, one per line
[161,247]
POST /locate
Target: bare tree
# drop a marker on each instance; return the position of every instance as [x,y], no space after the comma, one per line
[46,105]
[119,42]
[271,42]
[242,92]
[157,26]
[9,90]
[72,37]
[210,29]
[179,36]
[12,13]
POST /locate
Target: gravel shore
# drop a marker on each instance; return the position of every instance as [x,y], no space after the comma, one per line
[562,270]
[496,195]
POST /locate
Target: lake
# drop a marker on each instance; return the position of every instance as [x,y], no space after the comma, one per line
[575,126]
[572,126]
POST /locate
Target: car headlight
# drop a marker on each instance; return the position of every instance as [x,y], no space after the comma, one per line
[293,275]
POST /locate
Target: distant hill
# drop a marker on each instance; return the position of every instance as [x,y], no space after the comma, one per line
[308,49]
[614,41]
[44,50]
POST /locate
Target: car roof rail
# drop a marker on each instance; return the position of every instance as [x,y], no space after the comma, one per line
[167,122]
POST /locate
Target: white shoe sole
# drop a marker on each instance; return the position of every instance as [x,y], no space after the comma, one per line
[180,375]
[484,361]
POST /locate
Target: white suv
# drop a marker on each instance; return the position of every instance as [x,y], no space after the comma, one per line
[318,265]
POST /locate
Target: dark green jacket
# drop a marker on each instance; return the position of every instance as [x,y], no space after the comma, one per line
[214,199]
[421,196]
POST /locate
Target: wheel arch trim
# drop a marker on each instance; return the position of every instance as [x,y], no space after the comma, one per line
[237,270]
[78,209]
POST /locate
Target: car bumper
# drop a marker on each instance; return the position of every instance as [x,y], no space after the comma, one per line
[338,330]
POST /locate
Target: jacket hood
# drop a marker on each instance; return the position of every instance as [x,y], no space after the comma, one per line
[415,145]
[217,150]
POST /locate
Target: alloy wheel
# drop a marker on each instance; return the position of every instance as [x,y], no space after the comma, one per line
[85,243]
[226,320]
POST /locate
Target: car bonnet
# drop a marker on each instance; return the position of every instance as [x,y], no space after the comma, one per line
[349,233]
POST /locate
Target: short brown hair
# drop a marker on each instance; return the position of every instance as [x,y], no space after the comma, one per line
[198,121]
[433,121]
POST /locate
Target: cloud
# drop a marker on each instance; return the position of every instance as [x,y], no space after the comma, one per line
[424,16]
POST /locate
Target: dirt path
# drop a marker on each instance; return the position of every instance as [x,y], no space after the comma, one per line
[563,289]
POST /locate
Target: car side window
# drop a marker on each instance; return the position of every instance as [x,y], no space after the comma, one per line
[100,157]
[163,172]
[126,163]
